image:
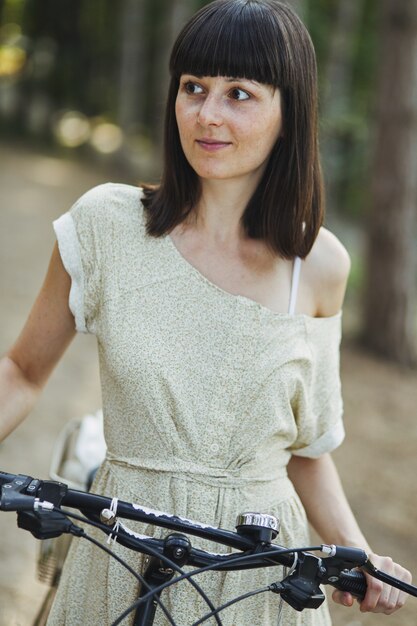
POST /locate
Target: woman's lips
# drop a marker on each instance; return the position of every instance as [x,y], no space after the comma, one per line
[212,145]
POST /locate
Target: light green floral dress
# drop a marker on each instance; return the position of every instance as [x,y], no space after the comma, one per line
[205,397]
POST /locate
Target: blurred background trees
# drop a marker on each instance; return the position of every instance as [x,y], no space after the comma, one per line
[90,79]
[390,313]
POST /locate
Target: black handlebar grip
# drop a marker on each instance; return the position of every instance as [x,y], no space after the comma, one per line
[353,581]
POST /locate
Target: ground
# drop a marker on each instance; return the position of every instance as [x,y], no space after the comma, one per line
[377,462]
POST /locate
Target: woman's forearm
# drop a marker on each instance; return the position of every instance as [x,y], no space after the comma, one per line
[318,485]
[17,396]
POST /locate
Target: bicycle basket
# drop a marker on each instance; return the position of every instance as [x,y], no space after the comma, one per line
[78,451]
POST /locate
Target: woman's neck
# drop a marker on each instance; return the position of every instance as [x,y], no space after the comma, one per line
[219,211]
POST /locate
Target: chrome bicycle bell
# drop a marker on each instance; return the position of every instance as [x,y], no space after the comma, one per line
[259,526]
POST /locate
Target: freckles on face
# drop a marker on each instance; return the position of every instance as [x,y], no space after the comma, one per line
[264,127]
[227,126]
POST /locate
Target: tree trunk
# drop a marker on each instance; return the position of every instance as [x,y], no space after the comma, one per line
[132,65]
[389,317]
[337,98]
[176,14]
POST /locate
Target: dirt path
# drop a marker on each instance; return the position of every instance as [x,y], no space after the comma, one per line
[378,462]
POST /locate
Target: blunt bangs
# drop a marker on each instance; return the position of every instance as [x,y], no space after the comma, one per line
[232,38]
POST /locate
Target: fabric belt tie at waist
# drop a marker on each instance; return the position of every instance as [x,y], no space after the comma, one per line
[213,476]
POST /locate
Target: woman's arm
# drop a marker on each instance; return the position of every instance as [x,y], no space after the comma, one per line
[316,480]
[26,367]
[318,485]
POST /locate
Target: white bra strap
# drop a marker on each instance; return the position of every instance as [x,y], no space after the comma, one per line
[296,270]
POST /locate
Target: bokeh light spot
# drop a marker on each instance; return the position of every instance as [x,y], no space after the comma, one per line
[71,129]
[106,137]
[12,60]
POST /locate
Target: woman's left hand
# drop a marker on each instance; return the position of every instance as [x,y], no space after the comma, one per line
[380,597]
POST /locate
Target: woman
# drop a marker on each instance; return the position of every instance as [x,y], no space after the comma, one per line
[215,299]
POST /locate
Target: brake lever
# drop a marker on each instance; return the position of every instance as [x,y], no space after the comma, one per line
[338,569]
[340,560]
[390,580]
[301,588]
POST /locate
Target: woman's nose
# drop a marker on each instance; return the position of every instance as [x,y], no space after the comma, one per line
[210,113]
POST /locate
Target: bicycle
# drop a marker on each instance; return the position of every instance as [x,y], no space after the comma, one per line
[39,503]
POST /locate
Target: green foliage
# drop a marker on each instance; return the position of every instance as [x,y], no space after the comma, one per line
[320,17]
[358,157]
[351,128]
[11,11]
[86,38]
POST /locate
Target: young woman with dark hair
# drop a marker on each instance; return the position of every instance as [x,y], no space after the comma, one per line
[263,42]
[215,298]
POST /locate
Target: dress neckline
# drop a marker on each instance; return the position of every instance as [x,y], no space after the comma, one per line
[237,297]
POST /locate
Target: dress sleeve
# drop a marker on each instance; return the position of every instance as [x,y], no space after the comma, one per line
[79,243]
[317,404]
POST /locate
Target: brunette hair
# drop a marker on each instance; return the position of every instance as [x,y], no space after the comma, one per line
[260,40]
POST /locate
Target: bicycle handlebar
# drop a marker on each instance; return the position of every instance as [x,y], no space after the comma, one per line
[299,588]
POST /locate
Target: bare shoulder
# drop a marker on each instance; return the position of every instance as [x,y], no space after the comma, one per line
[327,267]
[331,257]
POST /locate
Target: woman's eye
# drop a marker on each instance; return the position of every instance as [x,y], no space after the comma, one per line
[192,88]
[239,94]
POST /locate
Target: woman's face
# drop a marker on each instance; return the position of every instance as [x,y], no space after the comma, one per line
[227,126]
